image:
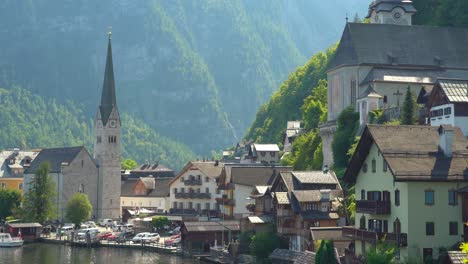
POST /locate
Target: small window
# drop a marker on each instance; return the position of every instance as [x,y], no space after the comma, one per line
[181,205]
[363,194]
[262,153]
[199,177]
[385,166]
[272,153]
[385,99]
[430,228]
[453,197]
[190,205]
[448,111]
[362,222]
[429,197]
[364,167]
[207,179]
[182,190]
[453,228]
[397,197]
[99,139]
[175,190]
[374,166]
[181,179]
[174,205]
[207,206]
[207,190]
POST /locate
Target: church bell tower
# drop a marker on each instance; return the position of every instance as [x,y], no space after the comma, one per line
[107,144]
[398,12]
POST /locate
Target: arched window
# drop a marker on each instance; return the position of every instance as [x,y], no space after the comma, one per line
[374,169]
[363,194]
[397,226]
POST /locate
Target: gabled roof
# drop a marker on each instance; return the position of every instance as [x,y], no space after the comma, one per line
[19,157]
[315,177]
[211,169]
[149,182]
[55,156]
[412,153]
[160,187]
[253,175]
[315,195]
[455,90]
[387,44]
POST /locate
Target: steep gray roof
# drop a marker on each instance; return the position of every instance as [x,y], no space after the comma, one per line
[315,177]
[108,98]
[387,44]
[289,256]
[212,226]
[55,156]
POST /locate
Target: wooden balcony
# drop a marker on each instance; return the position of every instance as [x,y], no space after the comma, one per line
[192,182]
[373,207]
[193,195]
[370,236]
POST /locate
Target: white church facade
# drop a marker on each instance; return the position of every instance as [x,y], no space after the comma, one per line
[387,56]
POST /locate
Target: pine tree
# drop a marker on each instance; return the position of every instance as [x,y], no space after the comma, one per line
[407,112]
[325,253]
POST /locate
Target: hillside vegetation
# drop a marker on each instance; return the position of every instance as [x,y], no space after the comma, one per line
[31,121]
[196,71]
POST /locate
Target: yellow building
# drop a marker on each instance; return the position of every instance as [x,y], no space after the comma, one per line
[13,162]
[408,183]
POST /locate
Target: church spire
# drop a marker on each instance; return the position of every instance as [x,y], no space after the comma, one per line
[108,98]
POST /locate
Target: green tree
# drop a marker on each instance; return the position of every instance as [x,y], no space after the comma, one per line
[10,200]
[382,253]
[325,253]
[128,164]
[263,244]
[39,200]
[407,112]
[347,127]
[78,209]
[159,222]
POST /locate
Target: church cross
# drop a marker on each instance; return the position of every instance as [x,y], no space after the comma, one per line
[398,94]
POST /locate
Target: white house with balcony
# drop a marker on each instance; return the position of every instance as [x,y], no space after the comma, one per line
[194,190]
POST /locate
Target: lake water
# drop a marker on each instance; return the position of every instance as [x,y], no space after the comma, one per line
[41,253]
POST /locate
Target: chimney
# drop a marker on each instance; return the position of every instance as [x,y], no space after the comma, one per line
[325,169]
[446,139]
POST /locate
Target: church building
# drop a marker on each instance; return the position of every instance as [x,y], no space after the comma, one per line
[107,145]
[376,62]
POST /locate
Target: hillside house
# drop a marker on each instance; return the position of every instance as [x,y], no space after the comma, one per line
[305,199]
[194,190]
[411,187]
[13,163]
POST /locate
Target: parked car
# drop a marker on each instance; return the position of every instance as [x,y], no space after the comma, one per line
[118,237]
[150,238]
[92,231]
[175,231]
[105,235]
[173,240]
[66,230]
[105,222]
[90,223]
[139,236]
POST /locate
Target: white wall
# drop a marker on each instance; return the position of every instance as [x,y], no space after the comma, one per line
[451,119]
[241,193]
[211,184]
[144,202]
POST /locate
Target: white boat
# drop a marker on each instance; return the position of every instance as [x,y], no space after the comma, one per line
[7,241]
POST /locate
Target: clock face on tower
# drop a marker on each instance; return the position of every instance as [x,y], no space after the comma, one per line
[112,123]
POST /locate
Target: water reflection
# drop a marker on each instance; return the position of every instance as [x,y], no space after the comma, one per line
[51,254]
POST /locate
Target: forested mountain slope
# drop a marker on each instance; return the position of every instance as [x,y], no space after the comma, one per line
[197,71]
[31,121]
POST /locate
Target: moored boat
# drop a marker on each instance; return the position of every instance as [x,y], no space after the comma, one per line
[7,241]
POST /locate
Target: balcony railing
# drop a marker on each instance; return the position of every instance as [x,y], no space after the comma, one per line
[193,195]
[359,234]
[373,207]
[192,182]
[226,201]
